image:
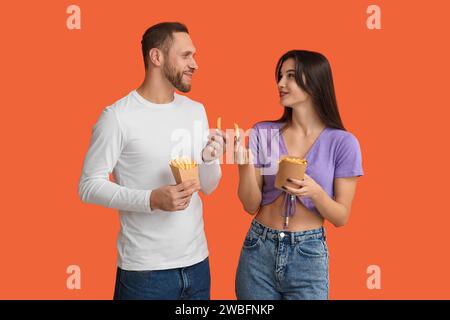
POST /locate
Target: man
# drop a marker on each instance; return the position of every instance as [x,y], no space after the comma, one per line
[162,249]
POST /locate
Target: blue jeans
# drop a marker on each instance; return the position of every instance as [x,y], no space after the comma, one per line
[282,265]
[189,283]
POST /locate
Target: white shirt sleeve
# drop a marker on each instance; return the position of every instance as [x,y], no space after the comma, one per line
[106,145]
[209,172]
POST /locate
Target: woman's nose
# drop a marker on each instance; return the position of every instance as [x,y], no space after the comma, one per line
[281,84]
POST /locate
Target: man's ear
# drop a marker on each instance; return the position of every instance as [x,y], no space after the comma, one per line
[156,56]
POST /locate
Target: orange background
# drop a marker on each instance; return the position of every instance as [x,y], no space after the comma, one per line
[392,91]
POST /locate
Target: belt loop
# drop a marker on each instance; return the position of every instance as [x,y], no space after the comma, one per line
[264,234]
[292,238]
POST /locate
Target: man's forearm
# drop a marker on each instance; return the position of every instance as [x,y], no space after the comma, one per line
[109,194]
[210,174]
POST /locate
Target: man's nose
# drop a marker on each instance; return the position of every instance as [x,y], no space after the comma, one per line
[193,64]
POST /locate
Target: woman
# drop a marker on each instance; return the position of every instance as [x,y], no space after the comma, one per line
[280,261]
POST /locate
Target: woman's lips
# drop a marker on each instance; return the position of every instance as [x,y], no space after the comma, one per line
[282,94]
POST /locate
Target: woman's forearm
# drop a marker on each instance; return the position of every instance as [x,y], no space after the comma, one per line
[248,191]
[331,210]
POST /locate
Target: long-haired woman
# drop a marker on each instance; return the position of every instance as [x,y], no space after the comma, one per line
[285,255]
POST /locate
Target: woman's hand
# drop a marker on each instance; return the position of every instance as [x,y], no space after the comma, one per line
[305,188]
[241,154]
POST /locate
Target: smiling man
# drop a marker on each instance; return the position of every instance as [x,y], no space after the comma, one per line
[162,248]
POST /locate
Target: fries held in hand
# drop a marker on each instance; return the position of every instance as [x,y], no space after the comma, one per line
[290,167]
[184,169]
[183,163]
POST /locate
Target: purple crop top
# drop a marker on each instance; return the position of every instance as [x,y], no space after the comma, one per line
[334,154]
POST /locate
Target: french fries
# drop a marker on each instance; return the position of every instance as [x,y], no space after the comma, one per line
[219,123]
[294,160]
[183,163]
[236,127]
[290,167]
[184,169]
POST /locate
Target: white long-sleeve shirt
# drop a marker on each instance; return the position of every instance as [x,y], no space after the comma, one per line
[135,140]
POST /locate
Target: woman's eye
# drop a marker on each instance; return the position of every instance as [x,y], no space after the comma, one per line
[290,75]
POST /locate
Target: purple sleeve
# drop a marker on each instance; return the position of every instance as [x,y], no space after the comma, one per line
[348,158]
[254,146]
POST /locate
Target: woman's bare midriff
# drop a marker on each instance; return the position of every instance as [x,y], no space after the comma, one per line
[271,216]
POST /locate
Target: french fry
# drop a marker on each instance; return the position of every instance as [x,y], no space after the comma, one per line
[294,160]
[236,131]
[219,123]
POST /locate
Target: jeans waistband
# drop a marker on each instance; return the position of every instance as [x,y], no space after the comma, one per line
[297,236]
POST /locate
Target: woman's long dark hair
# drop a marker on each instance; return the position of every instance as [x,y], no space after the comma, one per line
[319,85]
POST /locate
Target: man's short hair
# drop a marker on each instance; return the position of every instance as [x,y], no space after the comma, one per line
[160,36]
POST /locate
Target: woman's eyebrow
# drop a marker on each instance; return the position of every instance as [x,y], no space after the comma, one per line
[280,74]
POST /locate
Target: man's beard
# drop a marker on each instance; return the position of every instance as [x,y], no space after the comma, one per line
[176,78]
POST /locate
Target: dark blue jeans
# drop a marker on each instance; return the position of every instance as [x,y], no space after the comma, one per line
[189,283]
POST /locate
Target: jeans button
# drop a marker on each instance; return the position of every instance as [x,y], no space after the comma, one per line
[282,235]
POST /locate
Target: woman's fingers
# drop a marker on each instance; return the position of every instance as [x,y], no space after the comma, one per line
[240,155]
[237,144]
[290,190]
[296,191]
[297,182]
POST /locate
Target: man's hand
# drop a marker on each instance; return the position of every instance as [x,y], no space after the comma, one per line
[215,147]
[174,197]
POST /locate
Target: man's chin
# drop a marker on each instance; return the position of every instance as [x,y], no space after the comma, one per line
[184,88]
